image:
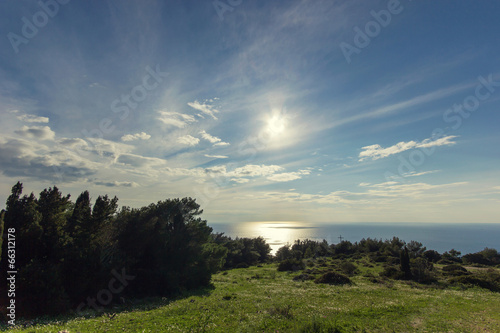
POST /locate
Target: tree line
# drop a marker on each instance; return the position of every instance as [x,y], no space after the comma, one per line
[69,251]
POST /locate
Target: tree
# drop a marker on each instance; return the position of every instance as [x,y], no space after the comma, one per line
[415,249]
[53,207]
[405,263]
[432,256]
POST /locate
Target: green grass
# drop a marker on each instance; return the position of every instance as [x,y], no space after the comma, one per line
[261,299]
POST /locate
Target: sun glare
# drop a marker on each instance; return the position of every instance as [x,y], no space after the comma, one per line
[276,124]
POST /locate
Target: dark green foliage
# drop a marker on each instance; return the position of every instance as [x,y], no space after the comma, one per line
[242,265]
[248,251]
[284,253]
[291,265]
[432,256]
[415,249]
[487,256]
[454,270]
[422,270]
[392,272]
[303,277]
[478,281]
[68,251]
[348,268]
[333,278]
[405,264]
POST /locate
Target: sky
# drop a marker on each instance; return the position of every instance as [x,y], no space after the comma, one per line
[324,111]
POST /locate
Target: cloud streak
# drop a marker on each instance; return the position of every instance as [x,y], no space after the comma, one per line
[376,151]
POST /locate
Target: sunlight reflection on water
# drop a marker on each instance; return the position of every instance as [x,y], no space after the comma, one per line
[467,237]
[276,233]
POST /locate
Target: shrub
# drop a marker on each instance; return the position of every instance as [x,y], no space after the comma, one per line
[447,261]
[454,267]
[475,281]
[333,278]
[392,272]
[302,277]
[348,268]
[291,265]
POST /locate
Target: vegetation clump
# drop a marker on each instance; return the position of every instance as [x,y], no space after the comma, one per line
[333,278]
[292,265]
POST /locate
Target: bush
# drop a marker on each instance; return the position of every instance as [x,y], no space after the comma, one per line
[333,278]
[302,277]
[447,261]
[475,281]
[291,265]
[454,267]
[348,268]
[392,272]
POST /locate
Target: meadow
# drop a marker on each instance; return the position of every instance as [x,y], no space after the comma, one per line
[263,299]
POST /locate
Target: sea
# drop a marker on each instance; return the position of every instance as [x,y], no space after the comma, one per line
[441,237]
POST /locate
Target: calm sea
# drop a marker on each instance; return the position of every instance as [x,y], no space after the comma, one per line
[467,238]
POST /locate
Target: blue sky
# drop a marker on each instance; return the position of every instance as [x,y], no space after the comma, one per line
[332,111]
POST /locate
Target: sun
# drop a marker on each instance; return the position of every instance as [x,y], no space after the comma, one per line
[276,124]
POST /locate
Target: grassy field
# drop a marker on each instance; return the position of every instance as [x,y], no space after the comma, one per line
[261,299]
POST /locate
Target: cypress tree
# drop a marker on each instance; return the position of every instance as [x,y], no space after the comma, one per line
[405,263]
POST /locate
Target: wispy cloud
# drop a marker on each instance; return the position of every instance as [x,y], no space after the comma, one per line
[213,139]
[116,184]
[288,176]
[207,109]
[376,151]
[137,136]
[216,156]
[176,119]
[30,118]
[188,140]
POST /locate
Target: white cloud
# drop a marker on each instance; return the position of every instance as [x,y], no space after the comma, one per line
[215,156]
[416,174]
[213,139]
[36,132]
[376,152]
[252,170]
[175,118]
[188,140]
[208,137]
[30,118]
[137,136]
[205,108]
[288,176]
[222,144]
